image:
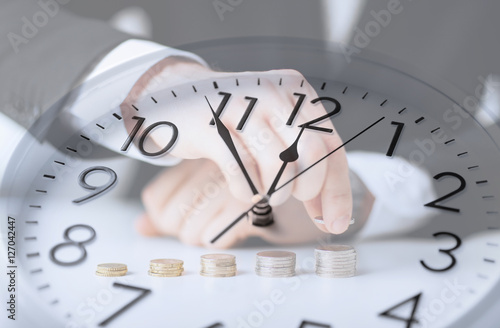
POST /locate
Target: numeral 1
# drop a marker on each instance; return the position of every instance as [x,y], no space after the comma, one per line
[249,109]
[222,105]
[395,139]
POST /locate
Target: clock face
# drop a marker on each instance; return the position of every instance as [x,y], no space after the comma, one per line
[73,203]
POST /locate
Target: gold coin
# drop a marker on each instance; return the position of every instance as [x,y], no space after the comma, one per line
[217,275]
[106,267]
[166,263]
[218,258]
[165,271]
[164,275]
[275,255]
[111,274]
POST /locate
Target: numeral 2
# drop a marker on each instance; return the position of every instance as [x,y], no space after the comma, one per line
[445,197]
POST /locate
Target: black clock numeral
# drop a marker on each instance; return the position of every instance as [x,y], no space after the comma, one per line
[96,190]
[246,114]
[296,108]
[409,321]
[144,292]
[311,324]
[133,133]
[72,243]
[445,197]
[216,325]
[336,110]
[222,105]
[309,125]
[249,109]
[395,139]
[445,251]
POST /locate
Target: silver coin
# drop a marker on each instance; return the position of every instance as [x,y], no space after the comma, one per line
[276,271]
[276,254]
[275,275]
[335,248]
[333,275]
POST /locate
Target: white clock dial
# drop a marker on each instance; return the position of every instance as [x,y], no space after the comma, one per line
[439,274]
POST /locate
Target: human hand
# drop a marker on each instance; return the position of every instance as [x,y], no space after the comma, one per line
[324,190]
[192,202]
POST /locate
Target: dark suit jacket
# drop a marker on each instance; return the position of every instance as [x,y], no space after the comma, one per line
[44,52]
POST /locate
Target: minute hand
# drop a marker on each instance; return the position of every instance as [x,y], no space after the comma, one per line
[322,158]
[296,176]
[228,140]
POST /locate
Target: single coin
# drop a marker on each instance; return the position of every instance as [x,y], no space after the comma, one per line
[111,274]
[334,275]
[335,248]
[218,257]
[164,275]
[276,254]
[166,263]
[217,275]
[283,275]
[111,267]
[166,271]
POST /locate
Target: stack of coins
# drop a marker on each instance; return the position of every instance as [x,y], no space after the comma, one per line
[275,264]
[111,270]
[218,265]
[165,268]
[335,261]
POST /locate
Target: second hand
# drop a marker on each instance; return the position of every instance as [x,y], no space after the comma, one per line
[296,176]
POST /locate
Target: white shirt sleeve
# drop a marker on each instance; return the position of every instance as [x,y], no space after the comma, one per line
[80,111]
[400,190]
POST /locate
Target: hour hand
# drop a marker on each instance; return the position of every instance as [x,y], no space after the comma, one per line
[228,140]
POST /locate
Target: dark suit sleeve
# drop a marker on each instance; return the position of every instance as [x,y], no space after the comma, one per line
[44,52]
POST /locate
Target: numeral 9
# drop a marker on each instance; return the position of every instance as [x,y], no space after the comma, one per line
[96,190]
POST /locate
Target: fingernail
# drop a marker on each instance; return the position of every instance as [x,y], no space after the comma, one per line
[319,219]
[341,224]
